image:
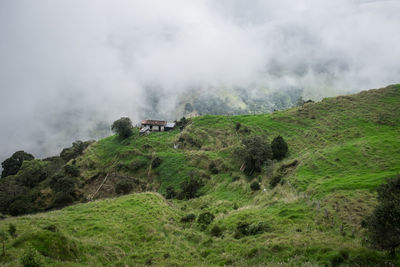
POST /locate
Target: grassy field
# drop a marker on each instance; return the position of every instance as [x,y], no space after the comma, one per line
[345,147]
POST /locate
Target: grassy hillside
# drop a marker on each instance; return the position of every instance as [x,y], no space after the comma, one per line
[340,149]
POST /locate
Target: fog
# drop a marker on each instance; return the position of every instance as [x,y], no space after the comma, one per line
[67,65]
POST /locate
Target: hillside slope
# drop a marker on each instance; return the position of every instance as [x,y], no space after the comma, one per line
[340,149]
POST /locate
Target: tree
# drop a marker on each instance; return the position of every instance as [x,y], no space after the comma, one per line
[3,239]
[190,187]
[254,186]
[383,224]
[12,165]
[279,148]
[255,152]
[123,127]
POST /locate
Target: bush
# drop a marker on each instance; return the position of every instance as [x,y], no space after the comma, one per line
[31,258]
[246,229]
[60,183]
[76,150]
[190,187]
[123,127]
[123,187]
[237,127]
[213,167]
[71,170]
[12,230]
[156,162]
[12,165]
[205,219]
[188,218]
[255,186]
[216,231]
[31,173]
[63,199]
[279,148]
[254,154]
[170,192]
[275,181]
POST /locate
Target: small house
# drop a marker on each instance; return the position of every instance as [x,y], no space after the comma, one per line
[155,126]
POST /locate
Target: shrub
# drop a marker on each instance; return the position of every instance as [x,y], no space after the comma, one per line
[21,206]
[71,170]
[31,173]
[213,167]
[254,154]
[76,150]
[63,199]
[190,187]
[188,218]
[275,181]
[123,187]
[12,165]
[31,258]
[255,186]
[12,230]
[170,192]
[123,127]
[279,148]
[205,219]
[216,231]
[235,178]
[245,229]
[60,183]
[382,224]
[237,126]
[156,162]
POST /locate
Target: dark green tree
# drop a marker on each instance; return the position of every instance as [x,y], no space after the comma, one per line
[190,187]
[383,224]
[12,165]
[254,154]
[123,127]
[279,148]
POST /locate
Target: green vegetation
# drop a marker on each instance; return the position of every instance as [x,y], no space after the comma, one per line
[123,127]
[308,212]
[12,165]
[384,223]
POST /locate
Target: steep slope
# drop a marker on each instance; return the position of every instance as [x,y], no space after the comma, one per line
[341,149]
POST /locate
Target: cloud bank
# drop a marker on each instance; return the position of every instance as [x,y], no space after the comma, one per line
[66,65]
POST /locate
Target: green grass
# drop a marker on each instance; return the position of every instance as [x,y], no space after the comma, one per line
[345,146]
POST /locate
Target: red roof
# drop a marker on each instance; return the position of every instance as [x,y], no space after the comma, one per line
[154,122]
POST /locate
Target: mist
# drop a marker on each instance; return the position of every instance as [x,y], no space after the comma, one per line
[67,66]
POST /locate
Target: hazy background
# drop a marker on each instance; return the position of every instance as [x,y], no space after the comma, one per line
[66,66]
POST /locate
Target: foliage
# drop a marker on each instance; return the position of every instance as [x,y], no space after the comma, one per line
[246,229]
[60,183]
[255,186]
[156,162]
[72,170]
[190,188]
[213,168]
[31,173]
[12,230]
[254,153]
[123,187]
[170,192]
[384,223]
[275,181]
[188,218]
[279,148]
[205,219]
[12,165]
[216,231]
[31,258]
[76,150]
[123,127]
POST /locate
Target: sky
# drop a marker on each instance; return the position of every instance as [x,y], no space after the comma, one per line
[66,65]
